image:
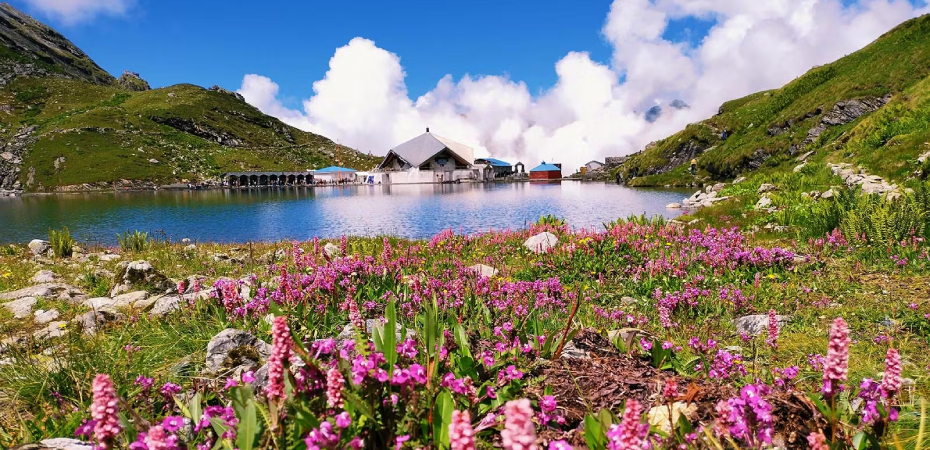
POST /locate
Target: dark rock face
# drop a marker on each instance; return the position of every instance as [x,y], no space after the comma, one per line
[217,88]
[189,126]
[11,159]
[843,113]
[133,82]
[34,49]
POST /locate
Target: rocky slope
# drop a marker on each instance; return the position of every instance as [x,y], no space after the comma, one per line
[66,124]
[848,111]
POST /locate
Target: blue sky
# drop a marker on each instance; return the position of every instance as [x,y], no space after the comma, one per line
[209,42]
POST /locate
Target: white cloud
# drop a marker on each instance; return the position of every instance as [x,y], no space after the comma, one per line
[593,110]
[74,11]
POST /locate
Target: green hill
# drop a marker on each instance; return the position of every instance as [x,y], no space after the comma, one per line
[870,109]
[67,124]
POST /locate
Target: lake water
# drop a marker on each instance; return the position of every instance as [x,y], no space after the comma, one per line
[413,211]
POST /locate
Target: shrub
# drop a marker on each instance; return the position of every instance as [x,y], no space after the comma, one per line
[61,242]
[135,241]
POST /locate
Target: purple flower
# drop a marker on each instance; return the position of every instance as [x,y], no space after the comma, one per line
[343,420]
[172,423]
[836,365]
[104,412]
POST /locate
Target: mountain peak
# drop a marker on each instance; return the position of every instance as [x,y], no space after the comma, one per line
[31,48]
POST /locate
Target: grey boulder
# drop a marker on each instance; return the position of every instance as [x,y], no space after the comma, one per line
[542,242]
[231,350]
[755,324]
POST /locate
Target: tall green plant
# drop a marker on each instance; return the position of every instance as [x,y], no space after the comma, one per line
[135,241]
[61,242]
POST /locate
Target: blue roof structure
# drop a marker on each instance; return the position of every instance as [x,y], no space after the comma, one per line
[332,169]
[497,162]
[545,168]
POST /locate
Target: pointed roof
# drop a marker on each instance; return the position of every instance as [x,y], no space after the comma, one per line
[544,167]
[495,162]
[423,147]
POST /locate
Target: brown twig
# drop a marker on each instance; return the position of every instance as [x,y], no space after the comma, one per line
[568,326]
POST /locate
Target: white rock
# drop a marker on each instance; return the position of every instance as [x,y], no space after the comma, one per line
[332,250]
[99,303]
[52,330]
[166,304]
[757,323]
[44,276]
[66,444]
[764,202]
[799,167]
[129,299]
[673,206]
[483,270]
[43,317]
[658,415]
[38,247]
[827,194]
[542,242]
[21,308]
[766,188]
[107,257]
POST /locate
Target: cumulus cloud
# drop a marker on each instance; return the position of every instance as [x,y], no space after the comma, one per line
[594,109]
[74,11]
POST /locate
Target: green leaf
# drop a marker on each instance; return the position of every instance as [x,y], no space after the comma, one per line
[442,417]
[357,403]
[462,340]
[594,434]
[389,336]
[249,429]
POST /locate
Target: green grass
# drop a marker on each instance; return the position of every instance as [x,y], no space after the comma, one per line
[888,142]
[107,134]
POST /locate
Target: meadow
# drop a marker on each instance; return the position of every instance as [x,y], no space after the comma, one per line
[696,333]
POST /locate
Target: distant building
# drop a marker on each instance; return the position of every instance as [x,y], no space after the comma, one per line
[498,168]
[333,174]
[429,158]
[519,168]
[546,171]
[591,165]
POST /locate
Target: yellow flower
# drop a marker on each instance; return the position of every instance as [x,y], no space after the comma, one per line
[62,325]
[7,274]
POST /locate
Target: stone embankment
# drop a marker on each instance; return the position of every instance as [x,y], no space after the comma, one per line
[870,184]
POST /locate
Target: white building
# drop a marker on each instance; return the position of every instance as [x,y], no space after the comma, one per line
[334,174]
[429,158]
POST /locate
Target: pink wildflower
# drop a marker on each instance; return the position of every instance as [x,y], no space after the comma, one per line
[560,445]
[519,432]
[103,410]
[159,439]
[630,433]
[280,352]
[334,384]
[461,435]
[891,381]
[772,340]
[836,365]
[817,441]
[354,315]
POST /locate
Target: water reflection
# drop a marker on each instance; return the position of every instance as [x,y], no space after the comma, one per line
[413,211]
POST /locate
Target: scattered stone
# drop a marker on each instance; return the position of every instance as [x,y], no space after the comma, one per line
[767,188]
[542,242]
[764,202]
[739,180]
[21,308]
[626,300]
[44,276]
[658,415]
[828,194]
[166,304]
[99,303]
[673,206]
[190,248]
[233,351]
[140,273]
[799,167]
[107,257]
[888,322]
[755,324]
[129,299]
[570,351]
[718,187]
[39,247]
[186,241]
[56,444]
[91,321]
[483,270]
[332,250]
[803,158]
[43,317]
[53,330]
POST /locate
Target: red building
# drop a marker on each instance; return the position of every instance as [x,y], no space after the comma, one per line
[546,172]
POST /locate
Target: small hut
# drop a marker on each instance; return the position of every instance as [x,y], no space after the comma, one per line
[334,174]
[546,171]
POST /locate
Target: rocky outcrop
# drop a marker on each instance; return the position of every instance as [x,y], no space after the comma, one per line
[133,82]
[843,113]
[870,184]
[217,88]
[12,153]
[202,131]
[34,49]
[707,197]
[139,274]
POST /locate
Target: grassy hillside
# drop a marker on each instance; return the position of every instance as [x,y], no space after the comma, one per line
[769,129]
[106,134]
[67,124]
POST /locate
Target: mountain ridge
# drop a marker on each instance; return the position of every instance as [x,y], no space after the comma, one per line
[66,124]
